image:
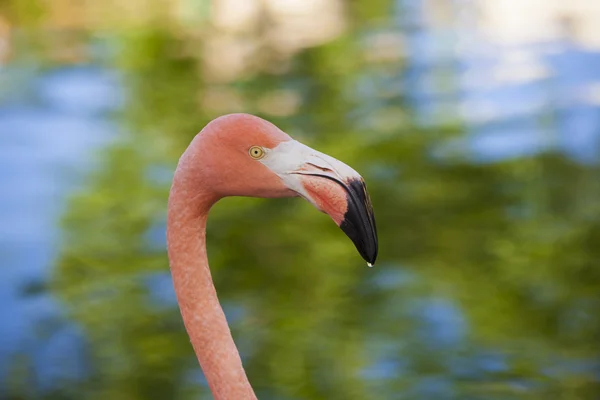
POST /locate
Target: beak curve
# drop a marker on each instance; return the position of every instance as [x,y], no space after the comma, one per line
[332,187]
[358,220]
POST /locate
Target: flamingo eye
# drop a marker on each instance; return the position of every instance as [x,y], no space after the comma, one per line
[256,152]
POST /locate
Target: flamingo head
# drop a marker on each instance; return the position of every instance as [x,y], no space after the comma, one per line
[244,155]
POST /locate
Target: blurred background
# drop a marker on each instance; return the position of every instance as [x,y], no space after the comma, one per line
[476,124]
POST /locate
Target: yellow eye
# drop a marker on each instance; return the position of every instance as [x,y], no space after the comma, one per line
[256,152]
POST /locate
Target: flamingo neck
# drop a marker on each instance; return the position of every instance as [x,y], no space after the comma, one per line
[202,314]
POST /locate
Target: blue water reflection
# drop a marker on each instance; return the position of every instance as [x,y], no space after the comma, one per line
[50,133]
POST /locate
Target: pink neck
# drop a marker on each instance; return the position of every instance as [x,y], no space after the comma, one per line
[202,314]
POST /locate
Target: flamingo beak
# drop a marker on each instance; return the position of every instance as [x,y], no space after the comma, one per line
[332,187]
[346,200]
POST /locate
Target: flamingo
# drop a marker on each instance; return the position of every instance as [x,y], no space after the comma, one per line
[244,155]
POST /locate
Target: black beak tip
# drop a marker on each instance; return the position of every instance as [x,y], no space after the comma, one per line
[368,249]
[365,241]
[371,257]
[359,221]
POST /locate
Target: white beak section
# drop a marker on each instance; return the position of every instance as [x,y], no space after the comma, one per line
[291,158]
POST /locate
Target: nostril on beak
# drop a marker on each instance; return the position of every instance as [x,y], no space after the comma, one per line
[319,167]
